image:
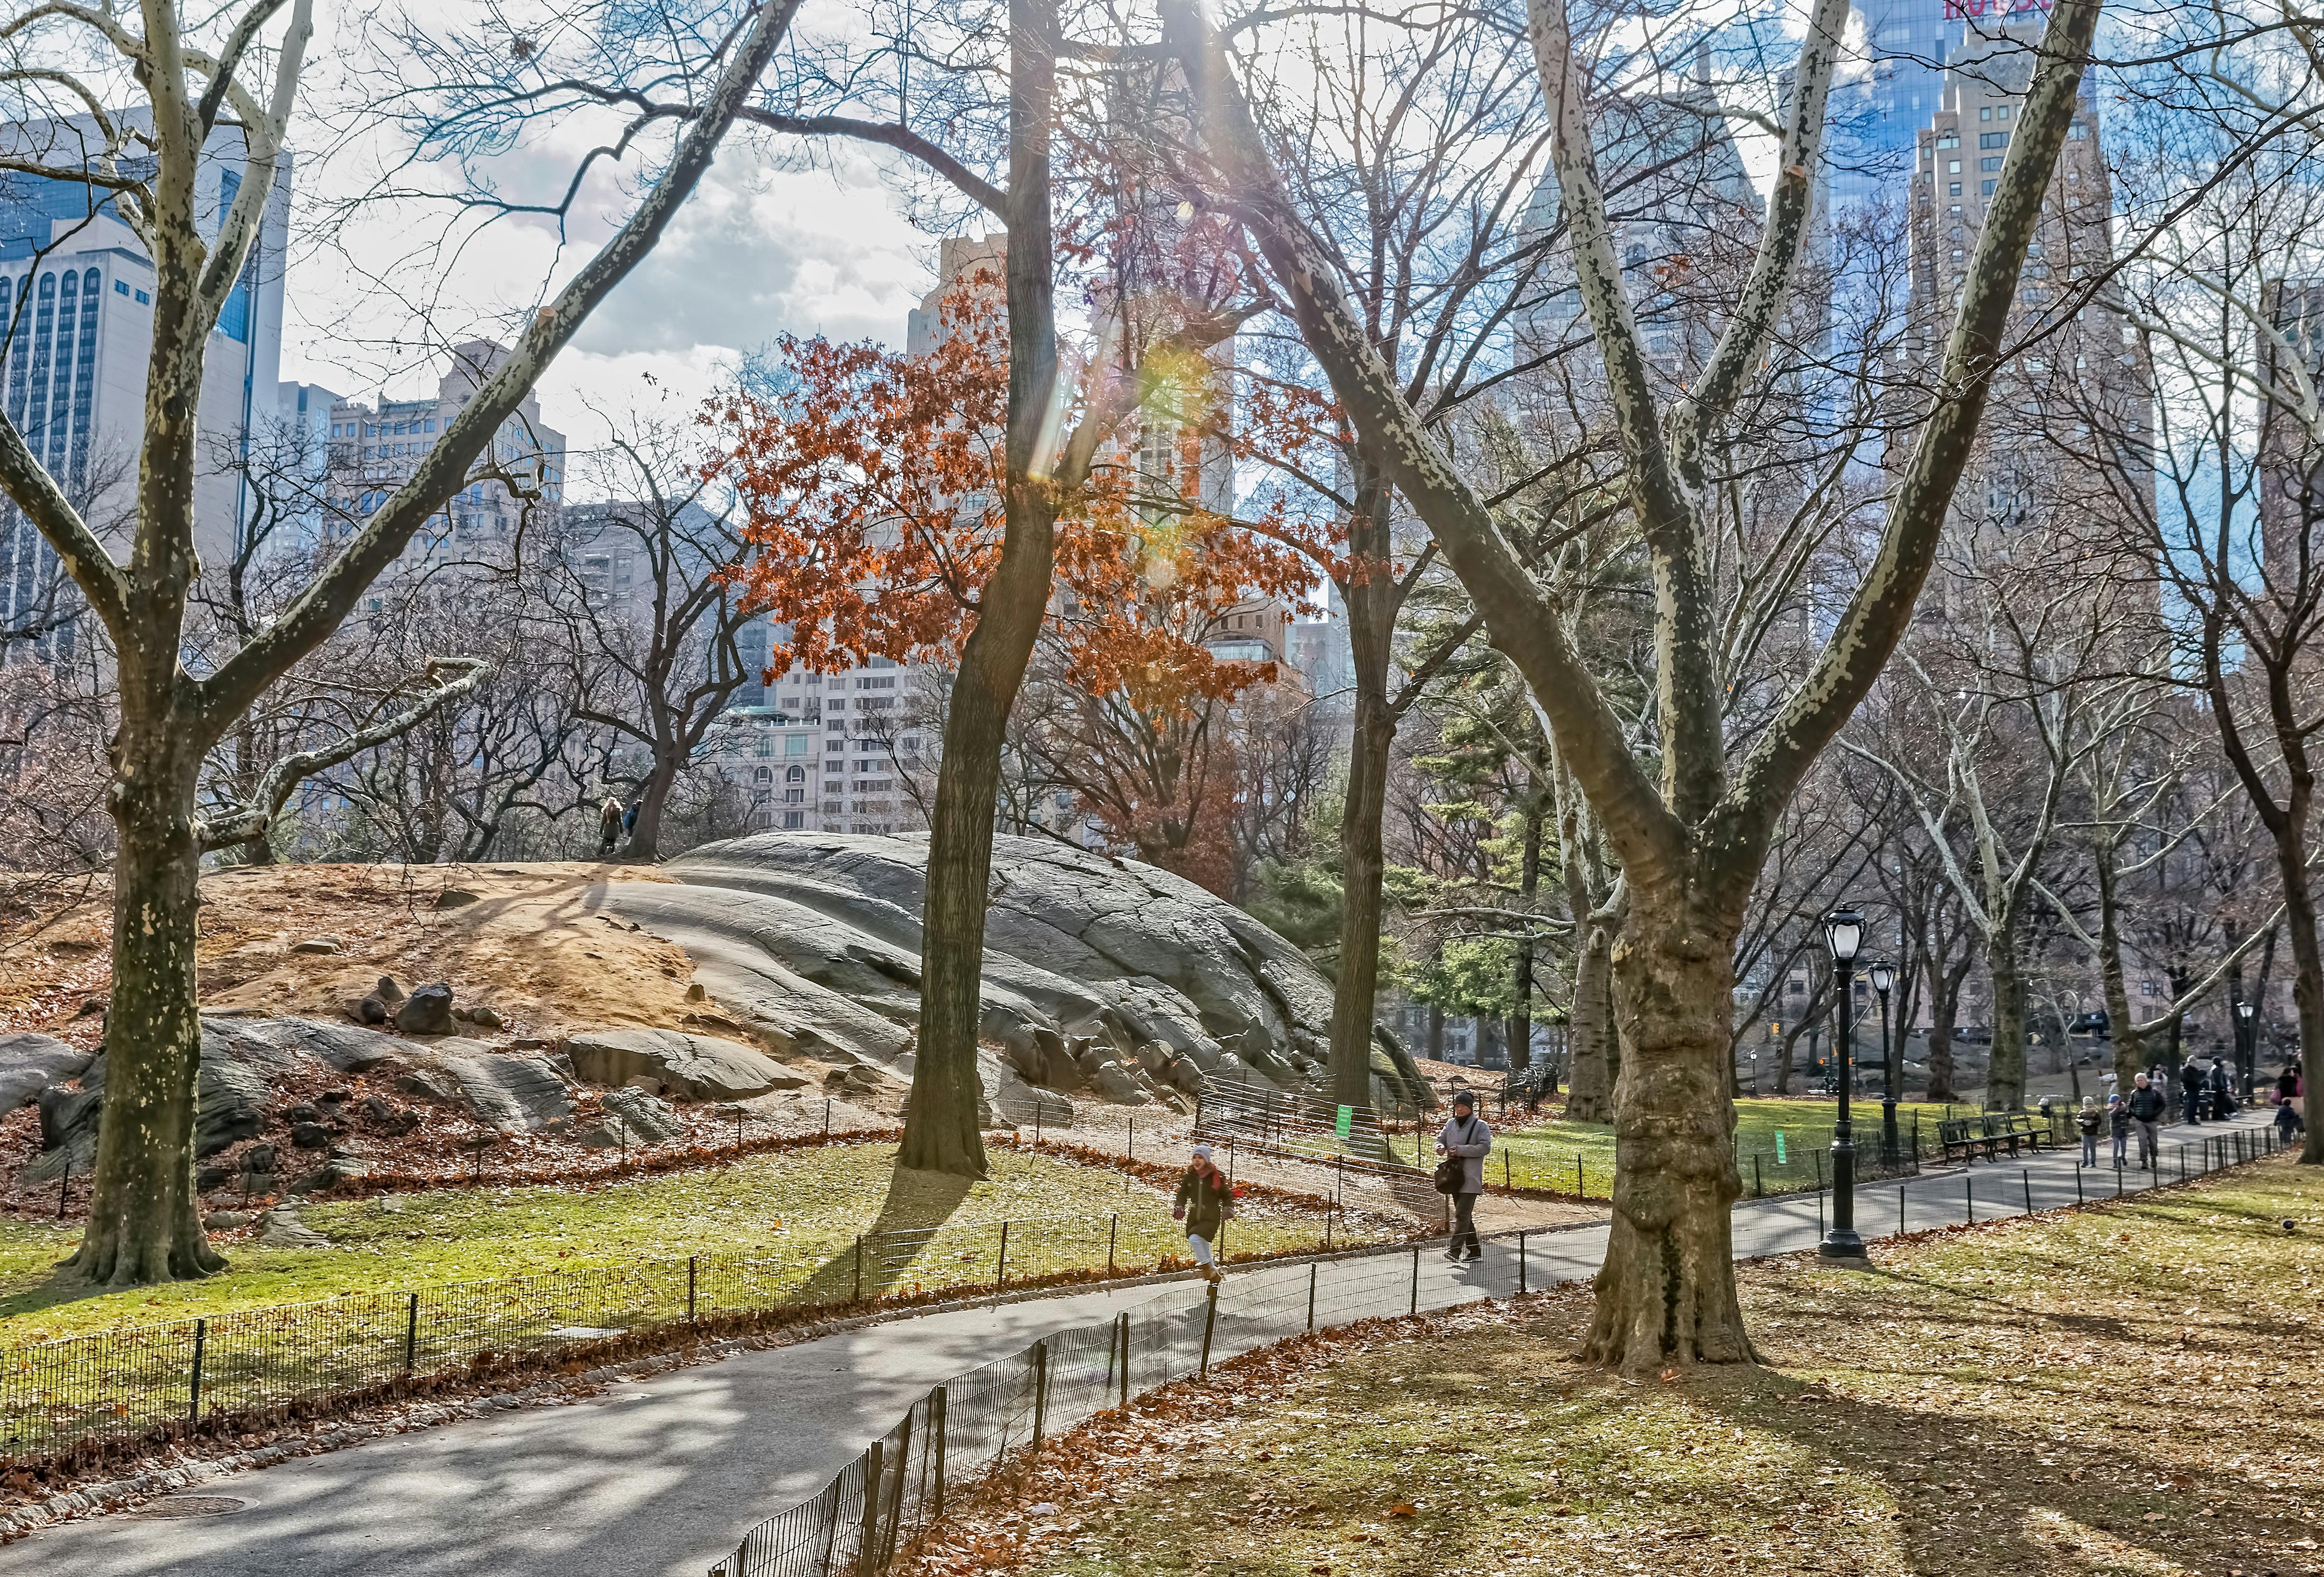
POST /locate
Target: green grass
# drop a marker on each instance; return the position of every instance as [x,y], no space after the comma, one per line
[1544,1157]
[2105,1392]
[802,1207]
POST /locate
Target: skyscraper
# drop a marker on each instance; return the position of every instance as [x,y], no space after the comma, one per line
[1892,84]
[77,290]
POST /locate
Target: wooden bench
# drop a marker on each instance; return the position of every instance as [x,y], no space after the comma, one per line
[1965,1136]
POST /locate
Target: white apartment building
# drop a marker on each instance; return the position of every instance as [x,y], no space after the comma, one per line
[374,447]
[77,294]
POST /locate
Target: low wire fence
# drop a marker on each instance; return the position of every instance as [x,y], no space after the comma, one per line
[877,1507]
[158,1382]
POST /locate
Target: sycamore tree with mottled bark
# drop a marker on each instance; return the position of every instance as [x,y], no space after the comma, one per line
[1690,820]
[224,85]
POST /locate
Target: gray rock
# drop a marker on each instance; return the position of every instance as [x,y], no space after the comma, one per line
[338,1169]
[632,1117]
[511,1092]
[387,990]
[693,1067]
[316,947]
[281,1228]
[455,897]
[371,1009]
[811,941]
[427,1011]
[429,1084]
[311,1136]
[31,1062]
[484,1017]
[1117,1082]
[225,1221]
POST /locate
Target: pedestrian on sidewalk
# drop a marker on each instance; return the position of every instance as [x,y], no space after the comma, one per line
[2118,1120]
[2287,1082]
[1467,1139]
[2190,1090]
[609,827]
[2146,1109]
[2223,1090]
[1205,1203]
[2086,1119]
[2287,1121]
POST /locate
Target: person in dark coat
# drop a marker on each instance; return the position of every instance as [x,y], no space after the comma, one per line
[1205,1203]
[2223,1089]
[1467,1138]
[2287,1082]
[2190,1090]
[2147,1106]
[2118,1123]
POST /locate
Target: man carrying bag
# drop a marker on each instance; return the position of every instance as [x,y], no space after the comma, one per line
[1465,1144]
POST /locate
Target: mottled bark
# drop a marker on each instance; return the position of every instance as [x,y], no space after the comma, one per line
[2129,1046]
[1590,1096]
[1667,1290]
[2004,1075]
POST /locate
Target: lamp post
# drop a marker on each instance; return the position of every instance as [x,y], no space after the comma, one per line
[1843,934]
[1884,980]
[2248,1035]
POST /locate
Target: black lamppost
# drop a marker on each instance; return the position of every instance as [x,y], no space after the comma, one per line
[1843,933]
[2248,1034]
[1884,980]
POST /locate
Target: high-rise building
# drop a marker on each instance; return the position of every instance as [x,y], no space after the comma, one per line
[2291,483]
[1683,213]
[375,448]
[77,290]
[2079,381]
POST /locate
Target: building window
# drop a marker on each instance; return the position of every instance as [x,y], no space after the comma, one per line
[794,819]
[121,287]
[794,774]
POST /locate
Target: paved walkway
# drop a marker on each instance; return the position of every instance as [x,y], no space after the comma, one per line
[661,1476]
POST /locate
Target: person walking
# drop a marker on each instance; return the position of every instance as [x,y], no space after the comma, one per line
[609,827]
[2287,1121]
[2190,1090]
[2086,1119]
[1205,1203]
[2119,1121]
[1467,1139]
[2223,1090]
[2146,1109]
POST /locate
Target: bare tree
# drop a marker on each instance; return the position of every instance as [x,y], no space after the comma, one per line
[1690,831]
[220,78]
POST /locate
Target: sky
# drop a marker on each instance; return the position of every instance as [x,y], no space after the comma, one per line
[759,251]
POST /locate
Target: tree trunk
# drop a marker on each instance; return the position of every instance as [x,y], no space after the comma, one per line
[2306,974]
[2004,1075]
[941,1134]
[145,1223]
[1590,1029]
[1944,1012]
[645,837]
[1528,891]
[1361,864]
[2129,1052]
[1667,1293]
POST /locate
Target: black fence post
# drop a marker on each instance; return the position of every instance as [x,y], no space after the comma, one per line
[2027,1177]
[1124,1319]
[867,1545]
[896,1508]
[1900,1212]
[1968,1203]
[194,1391]
[1112,1236]
[1758,1180]
[858,1266]
[410,1332]
[1000,1276]
[1311,1268]
[936,1425]
[1521,1265]
[826,1119]
[1415,1280]
[1210,1322]
[690,1288]
[2078,1182]
[1041,1388]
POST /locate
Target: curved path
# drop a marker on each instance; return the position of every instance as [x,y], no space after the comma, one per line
[659,1476]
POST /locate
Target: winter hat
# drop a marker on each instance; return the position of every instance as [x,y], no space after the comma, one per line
[1202,1152]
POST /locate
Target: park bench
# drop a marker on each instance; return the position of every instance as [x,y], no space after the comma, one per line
[1966,1137]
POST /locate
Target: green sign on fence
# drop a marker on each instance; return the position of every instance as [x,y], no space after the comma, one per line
[1346,1116]
[1779,1149]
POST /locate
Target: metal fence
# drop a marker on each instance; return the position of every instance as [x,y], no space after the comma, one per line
[877,1505]
[155,1382]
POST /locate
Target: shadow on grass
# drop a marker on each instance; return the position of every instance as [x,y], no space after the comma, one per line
[917,1206]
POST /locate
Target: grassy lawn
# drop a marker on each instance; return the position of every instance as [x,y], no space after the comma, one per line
[2114,1391]
[1544,1157]
[803,1207]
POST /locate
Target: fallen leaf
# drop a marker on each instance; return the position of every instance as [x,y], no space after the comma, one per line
[1404,1510]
